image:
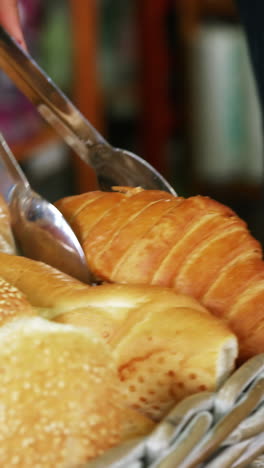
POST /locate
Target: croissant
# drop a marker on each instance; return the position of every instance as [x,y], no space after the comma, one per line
[195,245]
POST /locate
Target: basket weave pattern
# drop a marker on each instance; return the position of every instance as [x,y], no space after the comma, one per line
[208,430]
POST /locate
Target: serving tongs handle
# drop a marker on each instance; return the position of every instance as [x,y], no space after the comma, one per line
[49,100]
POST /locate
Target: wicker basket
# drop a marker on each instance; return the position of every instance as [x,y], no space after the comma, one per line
[212,430]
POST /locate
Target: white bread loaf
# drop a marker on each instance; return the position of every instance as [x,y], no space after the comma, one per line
[166,346]
[59,397]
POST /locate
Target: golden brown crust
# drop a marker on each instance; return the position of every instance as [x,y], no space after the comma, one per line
[241,273]
[196,246]
[111,212]
[95,206]
[59,388]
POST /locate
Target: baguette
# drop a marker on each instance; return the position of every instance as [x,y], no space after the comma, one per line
[165,346]
[60,397]
[196,246]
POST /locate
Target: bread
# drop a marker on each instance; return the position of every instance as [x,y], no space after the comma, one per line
[196,246]
[13,304]
[7,242]
[45,287]
[60,403]
[166,346]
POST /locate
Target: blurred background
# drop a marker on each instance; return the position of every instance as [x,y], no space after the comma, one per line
[168,79]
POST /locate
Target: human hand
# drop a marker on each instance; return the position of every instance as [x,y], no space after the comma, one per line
[10,20]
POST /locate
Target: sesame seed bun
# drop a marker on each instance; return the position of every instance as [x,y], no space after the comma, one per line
[59,399]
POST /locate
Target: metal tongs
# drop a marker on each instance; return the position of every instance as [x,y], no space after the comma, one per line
[40,229]
[112,166]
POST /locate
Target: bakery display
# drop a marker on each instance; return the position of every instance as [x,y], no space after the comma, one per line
[196,246]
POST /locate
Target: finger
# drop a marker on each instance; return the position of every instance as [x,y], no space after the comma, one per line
[10,20]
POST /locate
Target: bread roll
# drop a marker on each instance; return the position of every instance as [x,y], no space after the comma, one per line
[7,242]
[166,346]
[59,396]
[196,246]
